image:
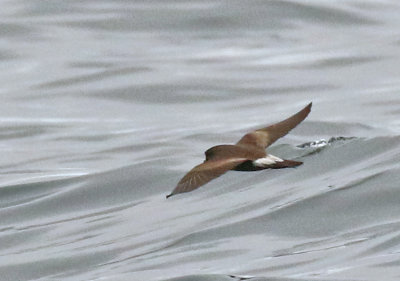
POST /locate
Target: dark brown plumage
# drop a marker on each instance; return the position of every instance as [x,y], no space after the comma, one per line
[248,154]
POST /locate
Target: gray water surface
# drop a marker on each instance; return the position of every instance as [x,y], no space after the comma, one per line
[107,104]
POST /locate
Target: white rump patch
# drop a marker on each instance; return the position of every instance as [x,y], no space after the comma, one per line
[266,161]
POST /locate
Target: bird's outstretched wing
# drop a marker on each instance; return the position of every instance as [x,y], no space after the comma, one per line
[266,136]
[205,172]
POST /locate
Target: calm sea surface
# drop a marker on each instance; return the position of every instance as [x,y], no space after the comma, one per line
[105,105]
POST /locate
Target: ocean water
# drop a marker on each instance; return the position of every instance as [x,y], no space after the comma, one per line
[107,104]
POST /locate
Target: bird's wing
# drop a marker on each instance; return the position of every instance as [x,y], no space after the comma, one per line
[266,136]
[205,172]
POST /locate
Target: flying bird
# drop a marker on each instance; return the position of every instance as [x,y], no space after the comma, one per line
[248,154]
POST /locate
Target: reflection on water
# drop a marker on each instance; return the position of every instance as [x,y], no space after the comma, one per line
[106,104]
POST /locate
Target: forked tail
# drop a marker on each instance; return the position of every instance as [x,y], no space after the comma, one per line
[285,164]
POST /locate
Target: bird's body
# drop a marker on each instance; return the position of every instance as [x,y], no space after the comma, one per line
[248,154]
[224,151]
